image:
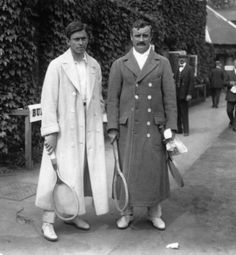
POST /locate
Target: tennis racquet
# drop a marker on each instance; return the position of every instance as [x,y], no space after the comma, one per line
[174,170]
[121,204]
[170,163]
[65,199]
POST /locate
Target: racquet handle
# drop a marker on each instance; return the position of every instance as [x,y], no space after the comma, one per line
[53,159]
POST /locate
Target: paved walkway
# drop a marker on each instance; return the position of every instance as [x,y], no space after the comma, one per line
[200,216]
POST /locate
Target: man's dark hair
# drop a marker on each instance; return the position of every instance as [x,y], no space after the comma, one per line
[140,23]
[75,26]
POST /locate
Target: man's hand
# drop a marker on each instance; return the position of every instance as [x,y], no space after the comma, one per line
[188,97]
[113,134]
[50,142]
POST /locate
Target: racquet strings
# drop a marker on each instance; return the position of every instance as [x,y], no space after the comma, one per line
[65,201]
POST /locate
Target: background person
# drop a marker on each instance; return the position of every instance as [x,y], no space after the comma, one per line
[184,79]
[231,96]
[217,80]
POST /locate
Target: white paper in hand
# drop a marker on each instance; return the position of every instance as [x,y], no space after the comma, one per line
[233,89]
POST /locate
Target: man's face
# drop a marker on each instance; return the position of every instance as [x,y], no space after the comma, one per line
[78,42]
[141,38]
[182,61]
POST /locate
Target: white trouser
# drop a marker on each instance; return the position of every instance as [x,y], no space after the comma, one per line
[49,217]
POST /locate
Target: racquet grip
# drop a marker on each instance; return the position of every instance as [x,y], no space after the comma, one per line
[52,156]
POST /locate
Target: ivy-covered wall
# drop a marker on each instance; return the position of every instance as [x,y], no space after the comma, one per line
[18,86]
[33,34]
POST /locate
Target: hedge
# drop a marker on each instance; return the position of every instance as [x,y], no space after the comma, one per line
[33,34]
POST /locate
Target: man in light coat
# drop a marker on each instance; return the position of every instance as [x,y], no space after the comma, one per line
[142,100]
[72,110]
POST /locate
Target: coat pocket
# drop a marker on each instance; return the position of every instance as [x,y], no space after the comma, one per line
[159,120]
[123,119]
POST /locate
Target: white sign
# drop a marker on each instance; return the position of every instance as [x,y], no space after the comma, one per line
[35,112]
[229,67]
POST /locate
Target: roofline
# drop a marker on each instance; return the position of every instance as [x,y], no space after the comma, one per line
[222,17]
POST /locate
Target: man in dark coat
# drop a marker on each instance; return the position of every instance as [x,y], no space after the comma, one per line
[184,79]
[141,98]
[231,96]
[216,83]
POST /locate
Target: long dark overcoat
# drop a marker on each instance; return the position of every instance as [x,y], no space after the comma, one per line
[138,102]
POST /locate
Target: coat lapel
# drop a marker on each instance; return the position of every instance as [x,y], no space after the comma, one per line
[70,68]
[131,63]
[184,71]
[91,74]
[149,65]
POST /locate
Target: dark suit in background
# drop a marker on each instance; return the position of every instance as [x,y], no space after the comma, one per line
[216,83]
[184,86]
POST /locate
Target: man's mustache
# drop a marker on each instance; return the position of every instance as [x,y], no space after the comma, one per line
[141,44]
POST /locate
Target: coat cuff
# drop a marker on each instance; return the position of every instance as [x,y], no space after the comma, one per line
[112,126]
[49,130]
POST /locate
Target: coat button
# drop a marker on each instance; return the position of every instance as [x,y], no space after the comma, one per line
[149,97]
[148,135]
[136,97]
[149,84]
[149,109]
[136,85]
[73,93]
[148,123]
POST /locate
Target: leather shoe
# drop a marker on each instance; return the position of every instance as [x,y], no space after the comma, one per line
[124,221]
[79,223]
[158,223]
[48,232]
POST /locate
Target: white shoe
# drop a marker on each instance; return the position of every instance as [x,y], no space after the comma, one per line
[48,232]
[124,221]
[79,223]
[158,223]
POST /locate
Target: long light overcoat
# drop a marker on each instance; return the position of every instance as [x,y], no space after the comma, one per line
[138,102]
[63,112]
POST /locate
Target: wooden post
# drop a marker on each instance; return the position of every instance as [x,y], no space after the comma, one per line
[28,143]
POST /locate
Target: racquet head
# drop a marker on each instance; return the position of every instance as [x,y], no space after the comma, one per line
[66,204]
[120,187]
[65,200]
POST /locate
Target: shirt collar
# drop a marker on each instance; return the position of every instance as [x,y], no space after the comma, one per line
[145,54]
[84,59]
[183,66]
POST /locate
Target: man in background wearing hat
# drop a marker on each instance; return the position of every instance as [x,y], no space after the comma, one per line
[216,83]
[184,79]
